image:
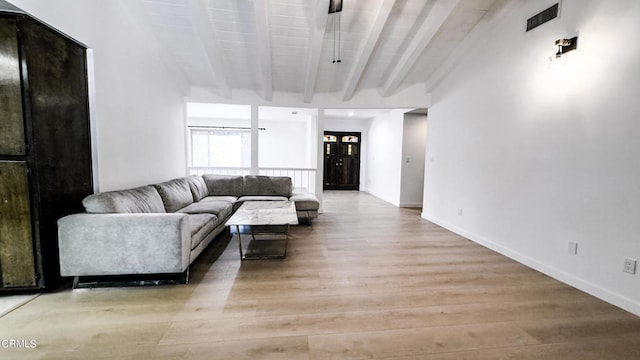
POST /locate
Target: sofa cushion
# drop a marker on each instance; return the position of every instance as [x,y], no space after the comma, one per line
[222,209]
[175,194]
[262,198]
[201,225]
[144,199]
[198,187]
[225,185]
[267,185]
[305,201]
[231,199]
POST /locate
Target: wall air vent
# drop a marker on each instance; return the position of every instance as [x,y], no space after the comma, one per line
[542,17]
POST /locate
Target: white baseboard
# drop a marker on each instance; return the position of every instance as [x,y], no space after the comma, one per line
[604,294]
[411,205]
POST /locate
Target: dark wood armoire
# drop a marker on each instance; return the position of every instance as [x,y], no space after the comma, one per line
[45,148]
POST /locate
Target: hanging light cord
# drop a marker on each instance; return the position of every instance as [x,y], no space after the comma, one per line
[334,39]
[336,19]
[339,57]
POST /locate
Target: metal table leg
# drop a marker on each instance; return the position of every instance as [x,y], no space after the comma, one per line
[239,241]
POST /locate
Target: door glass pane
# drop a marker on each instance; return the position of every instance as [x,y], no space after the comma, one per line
[350,138]
[330,138]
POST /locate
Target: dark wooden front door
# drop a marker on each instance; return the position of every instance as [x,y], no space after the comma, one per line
[342,160]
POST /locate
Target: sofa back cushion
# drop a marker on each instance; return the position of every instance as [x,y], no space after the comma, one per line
[267,185]
[144,199]
[198,187]
[223,185]
[175,194]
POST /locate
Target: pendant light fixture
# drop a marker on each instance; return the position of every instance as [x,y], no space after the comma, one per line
[335,7]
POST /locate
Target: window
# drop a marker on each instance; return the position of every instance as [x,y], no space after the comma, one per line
[220,147]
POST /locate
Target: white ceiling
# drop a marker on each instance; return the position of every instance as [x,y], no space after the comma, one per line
[269,46]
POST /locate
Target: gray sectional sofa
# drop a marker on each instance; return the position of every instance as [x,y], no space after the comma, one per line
[162,228]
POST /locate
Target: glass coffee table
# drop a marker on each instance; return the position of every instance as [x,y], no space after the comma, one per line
[268,225]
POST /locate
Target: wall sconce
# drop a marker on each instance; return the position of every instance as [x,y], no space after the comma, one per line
[564,46]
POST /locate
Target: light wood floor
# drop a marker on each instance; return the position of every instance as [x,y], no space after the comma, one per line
[367,280]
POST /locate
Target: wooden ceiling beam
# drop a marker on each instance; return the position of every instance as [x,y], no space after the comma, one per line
[440,12]
[319,27]
[365,55]
[476,37]
[205,36]
[264,48]
[142,15]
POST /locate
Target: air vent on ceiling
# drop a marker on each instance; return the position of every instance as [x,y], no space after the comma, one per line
[542,17]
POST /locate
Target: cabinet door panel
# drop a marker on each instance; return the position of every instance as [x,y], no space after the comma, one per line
[11,119]
[17,261]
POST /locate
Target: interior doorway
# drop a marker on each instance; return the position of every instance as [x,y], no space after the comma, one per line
[341,160]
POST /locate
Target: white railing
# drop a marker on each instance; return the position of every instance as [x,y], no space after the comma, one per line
[303,179]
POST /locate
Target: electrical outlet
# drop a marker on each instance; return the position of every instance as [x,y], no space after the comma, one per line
[573,247]
[629,266]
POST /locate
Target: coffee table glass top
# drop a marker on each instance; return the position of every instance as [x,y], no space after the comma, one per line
[265,213]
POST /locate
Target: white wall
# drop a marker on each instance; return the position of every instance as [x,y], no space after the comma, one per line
[282,143]
[139,116]
[414,137]
[384,156]
[204,122]
[285,143]
[537,156]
